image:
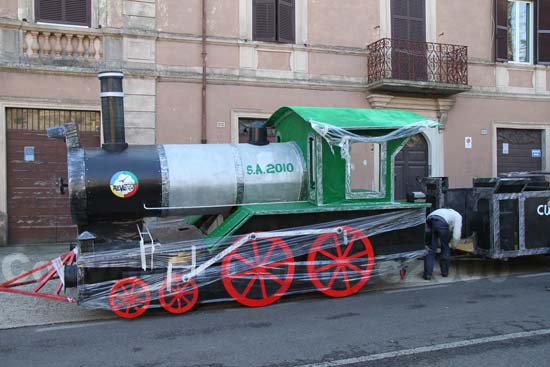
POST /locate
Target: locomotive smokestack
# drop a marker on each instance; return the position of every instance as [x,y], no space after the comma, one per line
[112,110]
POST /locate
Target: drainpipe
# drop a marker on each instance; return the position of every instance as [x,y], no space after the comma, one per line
[203,97]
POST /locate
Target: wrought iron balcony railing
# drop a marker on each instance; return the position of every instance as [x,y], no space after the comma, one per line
[417,61]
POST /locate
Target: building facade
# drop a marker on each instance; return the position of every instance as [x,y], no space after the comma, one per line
[201,70]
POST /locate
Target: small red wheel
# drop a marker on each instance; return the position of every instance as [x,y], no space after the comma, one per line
[259,272]
[129,297]
[340,270]
[181,298]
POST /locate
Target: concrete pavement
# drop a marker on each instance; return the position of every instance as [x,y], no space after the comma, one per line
[18,310]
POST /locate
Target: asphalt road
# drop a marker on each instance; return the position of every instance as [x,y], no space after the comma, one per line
[491,322]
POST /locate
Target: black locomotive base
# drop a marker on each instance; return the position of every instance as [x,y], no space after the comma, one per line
[211,287]
[337,258]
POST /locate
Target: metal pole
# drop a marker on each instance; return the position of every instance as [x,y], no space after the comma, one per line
[203,97]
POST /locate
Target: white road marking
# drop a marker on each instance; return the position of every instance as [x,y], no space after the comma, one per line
[74,326]
[533,275]
[428,349]
[412,289]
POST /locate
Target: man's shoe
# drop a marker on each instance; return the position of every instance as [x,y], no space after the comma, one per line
[426,277]
[445,275]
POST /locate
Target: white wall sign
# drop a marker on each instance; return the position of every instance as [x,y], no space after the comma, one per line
[536,153]
[468,142]
[505,148]
[29,154]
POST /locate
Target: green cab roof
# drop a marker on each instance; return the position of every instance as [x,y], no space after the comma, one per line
[350,118]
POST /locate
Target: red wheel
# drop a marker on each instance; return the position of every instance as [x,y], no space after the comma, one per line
[259,272]
[340,270]
[129,297]
[182,297]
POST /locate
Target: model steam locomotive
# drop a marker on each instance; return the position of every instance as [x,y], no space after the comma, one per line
[313,210]
[253,221]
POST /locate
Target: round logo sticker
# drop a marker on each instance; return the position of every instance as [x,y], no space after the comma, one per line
[124,184]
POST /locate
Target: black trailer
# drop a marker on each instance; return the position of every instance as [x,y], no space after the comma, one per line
[503,217]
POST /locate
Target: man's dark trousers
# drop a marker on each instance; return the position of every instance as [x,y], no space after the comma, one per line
[440,234]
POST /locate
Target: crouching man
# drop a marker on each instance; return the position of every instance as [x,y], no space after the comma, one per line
[443,223]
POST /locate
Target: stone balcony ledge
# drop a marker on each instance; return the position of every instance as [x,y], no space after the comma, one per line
[56,43]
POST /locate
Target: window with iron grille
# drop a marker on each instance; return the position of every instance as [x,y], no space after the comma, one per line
[38,119]
[73,12]
[522,31]
[274,20]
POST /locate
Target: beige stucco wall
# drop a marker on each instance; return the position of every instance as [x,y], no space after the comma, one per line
[223,56]
[178,113]
[114,13]
[466,22]
[482,75]
[274,60]
[334,64]
[179,108]
[62,86]
[520,78]
[8,8]
[178,53]
[179,16]
[472,114]
[186,16]
[353,25]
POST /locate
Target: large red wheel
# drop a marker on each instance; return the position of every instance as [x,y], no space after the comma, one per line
[338,269]
[259,272]
[129,297]
[182,295]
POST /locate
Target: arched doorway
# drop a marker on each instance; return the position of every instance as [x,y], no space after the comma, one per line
[411,165]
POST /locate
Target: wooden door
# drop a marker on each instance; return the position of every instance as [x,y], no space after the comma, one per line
[37,212]
[411,166]
[409,49]
[519,150]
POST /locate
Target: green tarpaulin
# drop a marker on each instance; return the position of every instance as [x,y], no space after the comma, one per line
[351,118]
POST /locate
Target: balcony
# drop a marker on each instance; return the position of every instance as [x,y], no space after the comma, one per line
[402,66]
[63,46]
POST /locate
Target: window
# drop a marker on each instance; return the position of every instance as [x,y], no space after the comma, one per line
[522,31]
[408,20]
[365,167]
[73,12]
[364,162]
[312,164]
[273,20]
[244,124]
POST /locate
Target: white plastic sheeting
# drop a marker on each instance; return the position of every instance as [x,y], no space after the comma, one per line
[336,258]
[336,136]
